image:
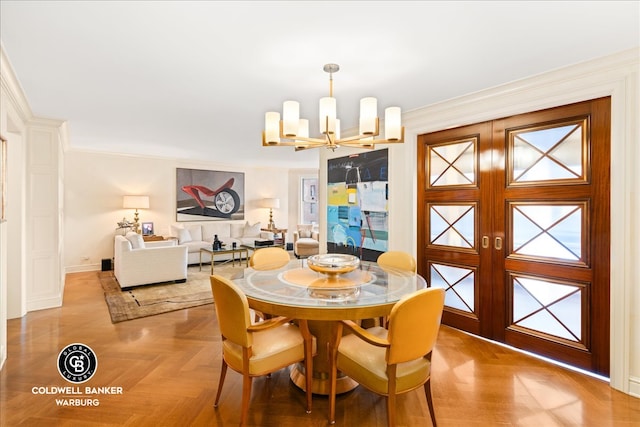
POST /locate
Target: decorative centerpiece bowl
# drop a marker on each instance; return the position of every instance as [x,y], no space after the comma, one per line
[333,264]
[332,285]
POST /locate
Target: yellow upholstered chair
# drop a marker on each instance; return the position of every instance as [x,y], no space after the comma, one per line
[393,361]
[397,259]
[269,258]
[257,349]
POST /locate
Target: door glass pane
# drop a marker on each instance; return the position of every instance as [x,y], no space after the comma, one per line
[548,154]
[548,307]
[452,225]
[547,231]
[458,283]
[452,164]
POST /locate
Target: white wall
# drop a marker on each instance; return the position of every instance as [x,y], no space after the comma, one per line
[96,182]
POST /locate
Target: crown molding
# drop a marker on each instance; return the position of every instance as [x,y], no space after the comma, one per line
[11,87]
[549,89]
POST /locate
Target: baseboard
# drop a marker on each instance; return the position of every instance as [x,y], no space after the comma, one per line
[3,356]
[82,268]
[44,303]
[634,386]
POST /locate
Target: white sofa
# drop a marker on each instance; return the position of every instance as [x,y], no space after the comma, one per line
[141,263]
[200,235]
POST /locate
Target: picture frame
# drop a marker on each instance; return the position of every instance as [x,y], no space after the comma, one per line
[207,195]
[147,229]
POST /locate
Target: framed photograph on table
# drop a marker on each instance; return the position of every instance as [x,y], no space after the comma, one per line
[147,229]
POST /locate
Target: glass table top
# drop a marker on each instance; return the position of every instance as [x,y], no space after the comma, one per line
[297,285]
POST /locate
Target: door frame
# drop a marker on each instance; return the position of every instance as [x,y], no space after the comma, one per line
[615,76]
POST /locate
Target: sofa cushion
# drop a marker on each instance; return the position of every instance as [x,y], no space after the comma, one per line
[210,229]
[251,230]
[195,231]
[184,236]
[237,230]
[137,242]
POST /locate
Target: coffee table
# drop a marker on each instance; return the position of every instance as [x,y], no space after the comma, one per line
[224,251]
[253,247]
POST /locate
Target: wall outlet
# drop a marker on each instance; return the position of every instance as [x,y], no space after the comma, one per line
[85,258]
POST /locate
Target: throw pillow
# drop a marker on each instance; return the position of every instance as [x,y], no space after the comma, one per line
[137,242]
[251,230]
[304,233]
[175,230]
[195,232]
[183,236]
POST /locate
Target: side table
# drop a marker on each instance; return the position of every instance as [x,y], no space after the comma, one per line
[279,236]
[153,238]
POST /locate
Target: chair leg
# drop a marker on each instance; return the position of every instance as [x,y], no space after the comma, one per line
[246,395]
[308,360]
[333,370]
[223,374]
[391,410]
[427,392]
[333,373]
[391,396]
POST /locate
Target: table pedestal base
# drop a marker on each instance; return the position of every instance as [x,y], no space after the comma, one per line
[321,385]
[322,330]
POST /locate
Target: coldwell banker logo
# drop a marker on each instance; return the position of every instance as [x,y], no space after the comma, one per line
[77,363]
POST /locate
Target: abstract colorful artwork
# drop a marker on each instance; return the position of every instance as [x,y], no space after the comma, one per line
[357,208]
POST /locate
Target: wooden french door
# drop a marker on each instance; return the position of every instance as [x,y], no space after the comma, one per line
[514,224]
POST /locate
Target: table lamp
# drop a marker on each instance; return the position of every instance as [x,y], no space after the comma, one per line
[270,203]
[135,202]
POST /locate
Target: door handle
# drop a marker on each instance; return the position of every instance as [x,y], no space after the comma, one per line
[498,243]
[485,242]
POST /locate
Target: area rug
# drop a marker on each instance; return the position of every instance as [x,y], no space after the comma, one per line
[150,300]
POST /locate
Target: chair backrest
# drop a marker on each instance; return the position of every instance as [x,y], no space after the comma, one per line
[232,311]
[306,230]
[398,260]
[269,259]
[414,323]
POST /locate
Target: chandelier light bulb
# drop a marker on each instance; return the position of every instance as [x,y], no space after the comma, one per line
[392,124]
[290,118]
[272,127]
[327,115]
[368,115]
[303,128]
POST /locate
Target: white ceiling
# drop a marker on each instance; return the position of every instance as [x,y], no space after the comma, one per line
[194,79]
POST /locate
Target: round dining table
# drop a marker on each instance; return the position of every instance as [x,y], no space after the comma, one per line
[298,292]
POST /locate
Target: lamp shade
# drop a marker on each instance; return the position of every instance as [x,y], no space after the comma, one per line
[270,203]
[135,202]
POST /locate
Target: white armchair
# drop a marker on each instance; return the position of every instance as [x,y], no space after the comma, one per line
[142,263]
[306,241]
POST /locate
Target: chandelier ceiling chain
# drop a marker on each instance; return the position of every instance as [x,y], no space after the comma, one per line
[292,131]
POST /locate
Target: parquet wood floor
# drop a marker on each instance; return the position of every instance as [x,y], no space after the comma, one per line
[168,366]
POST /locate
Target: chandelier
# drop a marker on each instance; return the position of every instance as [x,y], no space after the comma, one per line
[292,131]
